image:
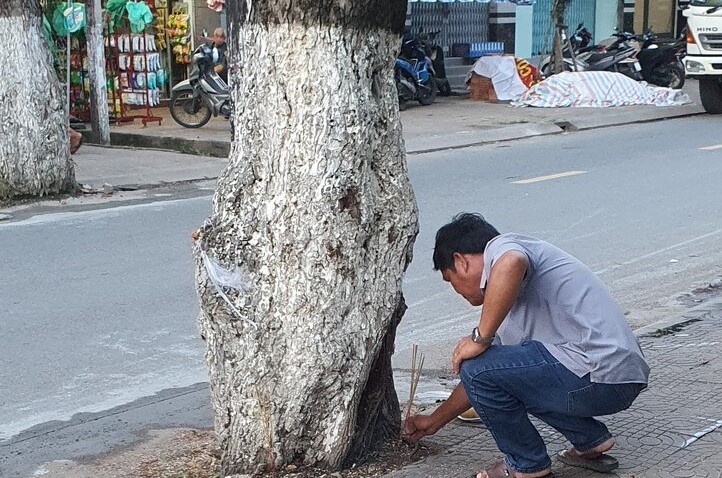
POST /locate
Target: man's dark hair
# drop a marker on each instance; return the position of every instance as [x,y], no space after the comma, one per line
[467,233]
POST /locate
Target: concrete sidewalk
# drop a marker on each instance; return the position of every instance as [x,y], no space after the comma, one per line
[125,168]
[674,429]
[451,122]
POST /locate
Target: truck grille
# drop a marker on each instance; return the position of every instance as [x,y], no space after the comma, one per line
[711,41]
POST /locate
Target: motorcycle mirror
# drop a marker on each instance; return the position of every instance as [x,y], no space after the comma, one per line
[580,25]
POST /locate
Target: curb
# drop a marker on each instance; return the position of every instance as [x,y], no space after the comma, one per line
[216,149]
[197,147]
[427,144]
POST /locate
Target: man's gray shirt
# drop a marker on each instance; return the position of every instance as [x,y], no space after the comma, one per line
[563,305]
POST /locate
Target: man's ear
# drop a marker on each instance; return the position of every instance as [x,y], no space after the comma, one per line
[461,263]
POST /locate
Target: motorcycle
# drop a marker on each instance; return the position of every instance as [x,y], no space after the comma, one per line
[619,57]
[435,53]
[202,95]
[414,74]
[661,62]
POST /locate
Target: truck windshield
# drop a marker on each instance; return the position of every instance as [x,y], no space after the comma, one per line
[707,3]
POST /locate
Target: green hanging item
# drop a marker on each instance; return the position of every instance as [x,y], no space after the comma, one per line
[139,15]
[59,22]
[68,19]
[74,17]
[116,10]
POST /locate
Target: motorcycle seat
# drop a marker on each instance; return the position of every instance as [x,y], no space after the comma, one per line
[597,56]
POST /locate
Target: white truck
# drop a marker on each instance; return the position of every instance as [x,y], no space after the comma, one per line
[704,50]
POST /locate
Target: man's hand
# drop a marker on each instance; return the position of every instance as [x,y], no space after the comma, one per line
[465,349]
[416,427]
[218,68]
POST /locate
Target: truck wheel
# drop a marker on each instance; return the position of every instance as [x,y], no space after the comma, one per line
[710,92]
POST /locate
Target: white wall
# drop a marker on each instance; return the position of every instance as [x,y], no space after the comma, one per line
[524,29]
[605,19]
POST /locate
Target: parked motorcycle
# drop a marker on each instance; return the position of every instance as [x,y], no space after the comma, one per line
[579,42]
[435,53]
[414,74]
[202,95]
[620,57]
[661,62]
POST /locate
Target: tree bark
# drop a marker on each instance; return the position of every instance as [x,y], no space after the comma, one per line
[34,150]
[299,268]
[557,17]
[99,121]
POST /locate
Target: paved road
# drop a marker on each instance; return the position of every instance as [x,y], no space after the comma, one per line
[639,205]
[98,307]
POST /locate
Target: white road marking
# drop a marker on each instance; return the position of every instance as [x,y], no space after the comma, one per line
[546,178]
[696,436]
[657,252]
[93,213]
[711,148]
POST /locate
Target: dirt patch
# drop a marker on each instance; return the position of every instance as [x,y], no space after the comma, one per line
[192,453]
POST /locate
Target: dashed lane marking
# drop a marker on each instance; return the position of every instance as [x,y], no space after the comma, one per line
[546,178]
[711,148]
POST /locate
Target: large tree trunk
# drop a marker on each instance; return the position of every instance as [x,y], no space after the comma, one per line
[34,145]
[99,122]
[299,268]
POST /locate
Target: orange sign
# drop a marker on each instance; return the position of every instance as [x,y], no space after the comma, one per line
[527,72]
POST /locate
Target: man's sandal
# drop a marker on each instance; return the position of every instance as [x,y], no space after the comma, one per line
[500,470]
[600,462]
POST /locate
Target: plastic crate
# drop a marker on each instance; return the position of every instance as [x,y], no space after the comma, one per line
[477,50]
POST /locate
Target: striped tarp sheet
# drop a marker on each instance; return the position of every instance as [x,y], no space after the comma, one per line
[597,89]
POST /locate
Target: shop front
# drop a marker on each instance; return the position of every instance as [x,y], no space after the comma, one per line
[148,49]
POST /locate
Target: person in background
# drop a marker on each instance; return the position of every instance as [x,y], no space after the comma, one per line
[76,139]
[220,53]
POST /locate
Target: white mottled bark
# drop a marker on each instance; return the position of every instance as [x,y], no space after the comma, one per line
[316,216]
[100,124]
[34,149]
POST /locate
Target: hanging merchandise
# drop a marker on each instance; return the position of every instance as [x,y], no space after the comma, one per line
[179,37]
[160,35]
[74,17]
[134,59]
[139,15]
[116,10]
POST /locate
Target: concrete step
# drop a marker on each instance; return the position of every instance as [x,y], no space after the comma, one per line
[461,70]
[453,61]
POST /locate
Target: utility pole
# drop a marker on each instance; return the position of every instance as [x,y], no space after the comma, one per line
[99,120]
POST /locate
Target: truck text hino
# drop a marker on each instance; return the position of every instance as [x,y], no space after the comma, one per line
[704,50]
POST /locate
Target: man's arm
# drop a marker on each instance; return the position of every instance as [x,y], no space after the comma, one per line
[502,290]
[418,426]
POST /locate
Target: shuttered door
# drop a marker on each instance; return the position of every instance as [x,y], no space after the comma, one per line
[577,11]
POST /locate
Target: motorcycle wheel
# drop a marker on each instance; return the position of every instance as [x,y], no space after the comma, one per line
[671,76]
[430,93]
[189,111]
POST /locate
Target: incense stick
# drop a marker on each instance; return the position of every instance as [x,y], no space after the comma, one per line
[417,364]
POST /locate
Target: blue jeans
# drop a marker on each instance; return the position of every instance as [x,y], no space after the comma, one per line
[508,382]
